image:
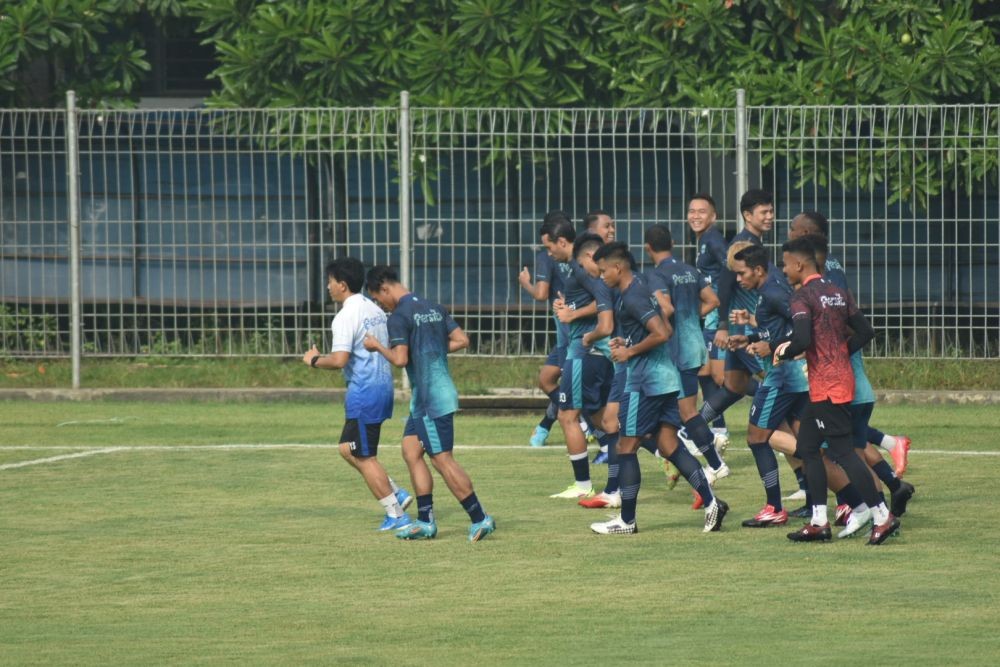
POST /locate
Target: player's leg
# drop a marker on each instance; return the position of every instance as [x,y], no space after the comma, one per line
[423,485]
[570,405]
[808,443]
[548,382]
[898,447]
[697,428]
[438,437]
[610,496]
[689,468]
[765,416]
[359,447]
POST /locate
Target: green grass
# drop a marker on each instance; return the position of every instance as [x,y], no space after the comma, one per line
[268,556]
[473,375]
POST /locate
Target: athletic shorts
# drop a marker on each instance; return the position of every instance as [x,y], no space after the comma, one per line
[713,351]
[557,357]
[618,384]
[824,422]
[585,383]
[861,414]
[771,407]
[435,435]
[742,360]
[689,382]
[361,439]
[641,415]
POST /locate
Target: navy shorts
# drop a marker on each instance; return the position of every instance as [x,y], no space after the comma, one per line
[713,351]
[861,414]
[585,383]
[642,415]
[362,439]
[771,407]
[557,357]
[618,384]
[689,382]
[742,360]
[435,435]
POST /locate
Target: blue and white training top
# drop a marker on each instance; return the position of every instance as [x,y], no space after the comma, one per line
[424,326]
[368,374]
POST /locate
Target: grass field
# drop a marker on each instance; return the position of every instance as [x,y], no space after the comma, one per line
[174,549]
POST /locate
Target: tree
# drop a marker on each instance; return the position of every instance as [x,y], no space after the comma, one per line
[91,46]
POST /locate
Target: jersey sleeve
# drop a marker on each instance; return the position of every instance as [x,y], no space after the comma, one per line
[640,305]
[655,281]
[399,329]
[544,267]
[449,322]
[344,330]
[799,307]
[601,294]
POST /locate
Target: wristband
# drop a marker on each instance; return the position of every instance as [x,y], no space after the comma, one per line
[314,360]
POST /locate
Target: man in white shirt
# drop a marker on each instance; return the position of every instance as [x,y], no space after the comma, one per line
[369,384]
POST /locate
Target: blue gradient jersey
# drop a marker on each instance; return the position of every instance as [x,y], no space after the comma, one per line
[652,373]
[582,289]
[424,326]
[554,273]
[368,374]
[683,284]
[863,391]
[774,323]
[710,262]
[742,299]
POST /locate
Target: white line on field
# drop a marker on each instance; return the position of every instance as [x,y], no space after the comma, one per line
[81,451]
[62,457]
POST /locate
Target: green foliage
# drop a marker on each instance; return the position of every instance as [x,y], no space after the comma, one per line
[90,46]
[24,332]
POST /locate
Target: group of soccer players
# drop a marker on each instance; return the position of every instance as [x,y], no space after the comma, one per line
[636,348]
[632,351]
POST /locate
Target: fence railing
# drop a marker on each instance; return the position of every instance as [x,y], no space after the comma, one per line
[205,232]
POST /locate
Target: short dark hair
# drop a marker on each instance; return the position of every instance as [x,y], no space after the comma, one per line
[592,217]
[751,199]
[347,270]
[615,251]
[703,195]
[658,237]
[553,216]
[802,247]
[586,241]
[753,256]
[819,244]
[380,275]
[562,229]
[818,221]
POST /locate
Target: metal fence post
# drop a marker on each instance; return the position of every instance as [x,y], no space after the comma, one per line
[405,192]
[742,182]
[73,192]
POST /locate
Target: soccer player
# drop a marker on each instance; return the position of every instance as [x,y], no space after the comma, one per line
[586,376]
[784,392]
[710,261]
[684,296]
[814,222]
[549,278]
[368,402]
[823,319]
[757,209]
[602,224]
[421,334]
[649,402]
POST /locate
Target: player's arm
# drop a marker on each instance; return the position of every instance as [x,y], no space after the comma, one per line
[665,303]
[800,340]
[398,355]
[335,360]
[457,340]
[863,331]
[709,300]
[567,315]
[657,336]
[605,327]
[539,291]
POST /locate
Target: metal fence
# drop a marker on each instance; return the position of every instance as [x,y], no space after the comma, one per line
[204,232]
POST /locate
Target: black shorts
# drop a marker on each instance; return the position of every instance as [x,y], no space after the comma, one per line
[824,421]
[362,439]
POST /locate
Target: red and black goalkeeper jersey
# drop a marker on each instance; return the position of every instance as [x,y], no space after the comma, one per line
[828,308]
